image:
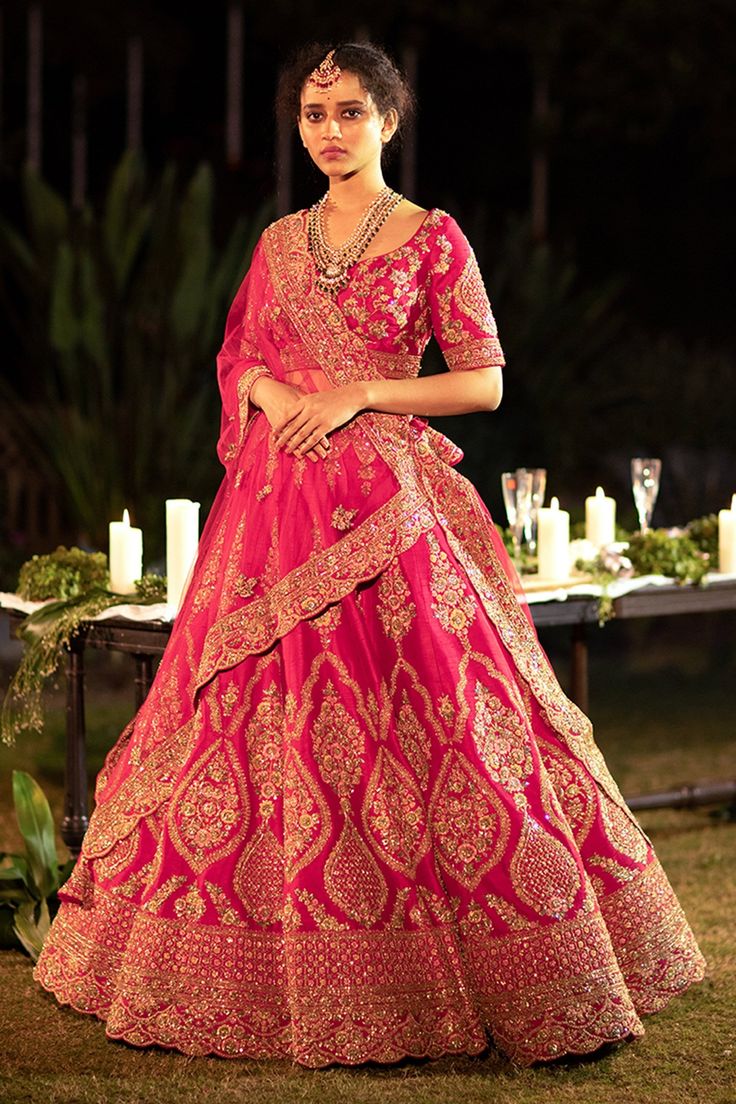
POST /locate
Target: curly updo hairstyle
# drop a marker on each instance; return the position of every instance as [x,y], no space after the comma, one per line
[374,69]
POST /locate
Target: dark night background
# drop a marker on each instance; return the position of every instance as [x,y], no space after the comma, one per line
[617,321]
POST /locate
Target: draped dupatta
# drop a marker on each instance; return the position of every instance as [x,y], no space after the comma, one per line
[419,488]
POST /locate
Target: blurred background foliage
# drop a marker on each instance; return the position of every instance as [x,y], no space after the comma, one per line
[118,313]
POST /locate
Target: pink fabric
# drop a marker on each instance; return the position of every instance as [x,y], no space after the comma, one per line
[356,817]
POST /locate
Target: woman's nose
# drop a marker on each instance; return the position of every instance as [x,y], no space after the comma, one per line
[332,128]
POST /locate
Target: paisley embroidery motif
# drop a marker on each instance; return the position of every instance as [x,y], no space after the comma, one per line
[259,878]
[210,810]
[544,874]
[414,740]
[394,815]
[503,743]
[470,824]
[307,819]
[353,879]
[395,607]
[337,744]
[575,789]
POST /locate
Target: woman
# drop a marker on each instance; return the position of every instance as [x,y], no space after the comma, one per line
[357,818]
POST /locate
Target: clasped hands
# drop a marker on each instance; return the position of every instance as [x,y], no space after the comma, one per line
[300,421]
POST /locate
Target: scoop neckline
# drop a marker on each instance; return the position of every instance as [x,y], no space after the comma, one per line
[397,248]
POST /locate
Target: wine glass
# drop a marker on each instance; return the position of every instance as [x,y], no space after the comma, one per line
[645,485]
[517,497]
[539,486]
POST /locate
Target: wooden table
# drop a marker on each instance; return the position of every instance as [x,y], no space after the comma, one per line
[146,640]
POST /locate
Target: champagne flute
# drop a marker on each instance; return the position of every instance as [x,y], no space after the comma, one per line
[539,486]
[645,485]
[517,497]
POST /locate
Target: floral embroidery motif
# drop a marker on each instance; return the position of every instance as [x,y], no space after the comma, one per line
[264,739]
[394,815]
[223,905]
[453,607]
[470,824]
[210,808]
[337,744]
[395,607]
[502,740]
[307,817]
[342,518]
[245,585]
[319,913]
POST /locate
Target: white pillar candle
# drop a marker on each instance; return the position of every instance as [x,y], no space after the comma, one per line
[553,541]
[727,538]
[126,555]
[600,519]
[182,538]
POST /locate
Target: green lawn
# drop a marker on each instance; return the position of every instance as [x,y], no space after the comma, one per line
[664,715]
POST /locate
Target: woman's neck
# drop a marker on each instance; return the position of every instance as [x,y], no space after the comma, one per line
[353,193]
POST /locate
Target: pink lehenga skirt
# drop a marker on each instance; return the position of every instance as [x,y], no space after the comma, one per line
[356,818]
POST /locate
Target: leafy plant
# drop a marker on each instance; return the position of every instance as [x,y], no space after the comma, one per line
[703,532]
[659,552]
[118,314]
[65,573]
[75,581]
[29,882]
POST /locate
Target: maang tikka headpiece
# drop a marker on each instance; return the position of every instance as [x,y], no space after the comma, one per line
[327,73]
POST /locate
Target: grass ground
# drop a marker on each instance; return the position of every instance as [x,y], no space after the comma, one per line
[663,708]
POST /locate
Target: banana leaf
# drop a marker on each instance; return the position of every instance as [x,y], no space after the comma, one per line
[32,923]
[37,828]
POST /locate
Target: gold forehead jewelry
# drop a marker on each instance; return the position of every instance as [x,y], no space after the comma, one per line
[327,73]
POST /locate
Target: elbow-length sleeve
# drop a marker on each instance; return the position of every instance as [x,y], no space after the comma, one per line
[462,319]
[240,361]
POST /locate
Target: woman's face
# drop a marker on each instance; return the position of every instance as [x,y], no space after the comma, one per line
[341,127]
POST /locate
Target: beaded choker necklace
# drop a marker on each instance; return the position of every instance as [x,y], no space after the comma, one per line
[333,263]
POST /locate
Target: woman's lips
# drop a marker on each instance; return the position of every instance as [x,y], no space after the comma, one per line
[332,152]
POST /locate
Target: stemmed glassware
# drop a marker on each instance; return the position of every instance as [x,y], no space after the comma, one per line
[539,486]
[517,498]
[645,485]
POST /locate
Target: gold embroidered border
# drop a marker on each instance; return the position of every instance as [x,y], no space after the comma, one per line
[351,996]
[396,365]
[653,940]
[324,578]
[245,383]
[481,352]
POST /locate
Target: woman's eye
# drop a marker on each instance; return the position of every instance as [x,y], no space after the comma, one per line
[312,115]
[353,112]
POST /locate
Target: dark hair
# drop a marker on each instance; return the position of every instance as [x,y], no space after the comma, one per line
[375,70]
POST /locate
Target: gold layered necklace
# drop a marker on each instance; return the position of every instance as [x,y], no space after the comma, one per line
[333,262]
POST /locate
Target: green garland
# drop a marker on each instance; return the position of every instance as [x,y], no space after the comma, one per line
[77,580]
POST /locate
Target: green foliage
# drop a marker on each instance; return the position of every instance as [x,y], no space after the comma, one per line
[703,532]
[119,313]
[657,552]
[78,578]
[29,882]
[65,573]
[151,588]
